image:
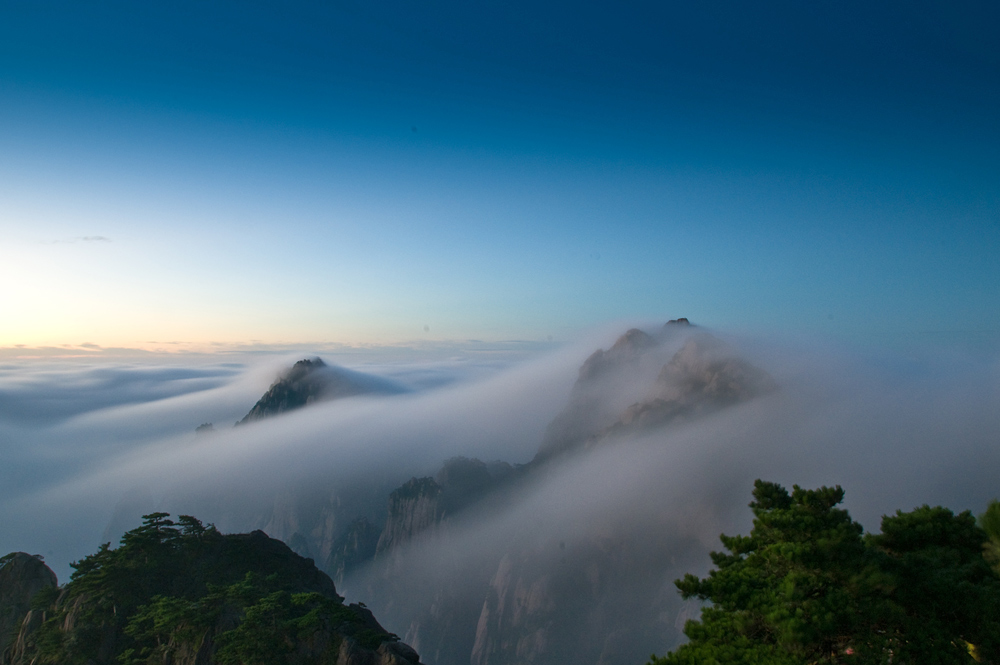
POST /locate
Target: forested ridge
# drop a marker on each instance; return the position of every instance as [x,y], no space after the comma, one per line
[181,592]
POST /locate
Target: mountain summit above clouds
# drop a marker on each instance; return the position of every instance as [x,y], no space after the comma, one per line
[312,380]
[701,376]
[533,588]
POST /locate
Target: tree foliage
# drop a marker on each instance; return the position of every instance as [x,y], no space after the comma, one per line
[808,586]
[173,590]
[990,522]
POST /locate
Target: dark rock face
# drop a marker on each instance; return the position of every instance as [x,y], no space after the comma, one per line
[312,380]
[21,577]
[355,547]
[298,387]
[413,508]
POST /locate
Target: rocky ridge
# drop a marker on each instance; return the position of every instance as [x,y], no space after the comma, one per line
[311,380]
[536,604]
[22,576]
[525,606]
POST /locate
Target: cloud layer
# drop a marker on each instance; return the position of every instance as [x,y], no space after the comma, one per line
[87,450]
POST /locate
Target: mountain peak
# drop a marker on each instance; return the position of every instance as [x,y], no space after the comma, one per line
[311,380]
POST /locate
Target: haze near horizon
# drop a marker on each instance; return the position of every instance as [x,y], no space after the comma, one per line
[185,176]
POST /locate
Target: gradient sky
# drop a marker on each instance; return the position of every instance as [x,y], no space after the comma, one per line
[232,172]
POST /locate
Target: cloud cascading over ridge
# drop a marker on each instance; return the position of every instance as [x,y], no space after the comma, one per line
[895,430]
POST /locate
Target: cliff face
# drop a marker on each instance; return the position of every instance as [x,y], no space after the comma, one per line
[22,576]
[560,602]
[355,547]
[702,376]
[413,508]
[605,385]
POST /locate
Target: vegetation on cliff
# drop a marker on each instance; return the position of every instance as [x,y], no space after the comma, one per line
[185,593]
[808,586]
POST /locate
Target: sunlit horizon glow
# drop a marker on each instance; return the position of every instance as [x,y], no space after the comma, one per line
[329,173]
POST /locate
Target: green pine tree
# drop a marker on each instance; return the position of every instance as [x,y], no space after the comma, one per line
[807,586]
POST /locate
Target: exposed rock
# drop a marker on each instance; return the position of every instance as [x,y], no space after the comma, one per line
[355,547]
[466,481]
[413,508]
[558,604]
[605,385]
[311,380]
[703,376]
[21,577]
[625,351]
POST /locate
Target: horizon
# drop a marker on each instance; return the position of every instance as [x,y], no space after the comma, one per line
[190,176]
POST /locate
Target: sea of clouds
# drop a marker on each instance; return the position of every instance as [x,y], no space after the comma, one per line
[86,447]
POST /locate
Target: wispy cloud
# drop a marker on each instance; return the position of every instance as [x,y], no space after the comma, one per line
[896,430]
[77,239]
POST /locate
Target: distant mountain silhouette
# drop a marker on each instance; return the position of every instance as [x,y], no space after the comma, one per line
[312,380]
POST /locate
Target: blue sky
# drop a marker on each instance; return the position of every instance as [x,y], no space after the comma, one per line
[342,172]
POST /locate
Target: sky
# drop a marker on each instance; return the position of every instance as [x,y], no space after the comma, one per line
[190,175]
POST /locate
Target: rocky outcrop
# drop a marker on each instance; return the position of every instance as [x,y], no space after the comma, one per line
[355,547]
[592,405]
[421,504]
[22,577]
[413,508]
[299,386]
[625,352]
[567,603]
[312,380]
[704,376]
[466,481]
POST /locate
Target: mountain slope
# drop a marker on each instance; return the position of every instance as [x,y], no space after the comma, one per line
[186,594]
[312,380]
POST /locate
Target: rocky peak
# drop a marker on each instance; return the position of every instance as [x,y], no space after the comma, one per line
[296,388]
[464,481]
[312,380]
[626,349]
[21,577]
[703,376]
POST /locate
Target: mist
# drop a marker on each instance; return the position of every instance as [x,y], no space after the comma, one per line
[895,427]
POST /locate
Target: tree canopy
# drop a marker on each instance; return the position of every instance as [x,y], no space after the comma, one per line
[809,586]
[183,592]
